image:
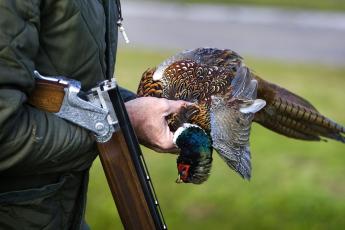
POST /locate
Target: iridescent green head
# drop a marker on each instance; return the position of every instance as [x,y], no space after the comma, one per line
[194,161]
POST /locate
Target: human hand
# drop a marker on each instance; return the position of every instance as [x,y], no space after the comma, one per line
[147,116]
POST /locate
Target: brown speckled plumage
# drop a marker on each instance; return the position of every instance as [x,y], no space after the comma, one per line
[189,81]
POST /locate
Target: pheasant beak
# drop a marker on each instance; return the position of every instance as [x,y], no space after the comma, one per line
[179,180]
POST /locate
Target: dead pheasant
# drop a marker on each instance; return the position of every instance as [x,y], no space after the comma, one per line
[227,97]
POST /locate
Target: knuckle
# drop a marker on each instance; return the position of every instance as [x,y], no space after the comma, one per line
[165,102]
[163,145]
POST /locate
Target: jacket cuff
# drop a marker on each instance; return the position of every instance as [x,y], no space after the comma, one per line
[126,94]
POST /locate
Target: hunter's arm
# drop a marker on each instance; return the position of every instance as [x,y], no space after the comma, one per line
[31,141]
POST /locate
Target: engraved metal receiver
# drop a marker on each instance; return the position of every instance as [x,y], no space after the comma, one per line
[96,114]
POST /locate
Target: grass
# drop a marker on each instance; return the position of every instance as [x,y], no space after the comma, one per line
[328,5]
[295,184]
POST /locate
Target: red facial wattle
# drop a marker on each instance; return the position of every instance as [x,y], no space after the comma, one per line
[183,170]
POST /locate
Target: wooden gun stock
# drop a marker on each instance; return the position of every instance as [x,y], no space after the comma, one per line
[121,159]
[124,183]
[47,96]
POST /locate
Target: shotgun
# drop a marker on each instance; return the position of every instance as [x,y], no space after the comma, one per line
[103,112]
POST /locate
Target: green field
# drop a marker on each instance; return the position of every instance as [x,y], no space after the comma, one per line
[295,184]
[329,5]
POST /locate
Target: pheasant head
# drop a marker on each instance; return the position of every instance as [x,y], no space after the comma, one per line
[195,158]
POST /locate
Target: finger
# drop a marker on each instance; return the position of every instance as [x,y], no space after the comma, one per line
[175,106]
[168,138]
[174,151]
[169,145]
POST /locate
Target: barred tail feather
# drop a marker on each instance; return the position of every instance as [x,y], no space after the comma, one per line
[293,116]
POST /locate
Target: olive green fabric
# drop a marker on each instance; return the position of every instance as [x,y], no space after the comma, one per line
[55,37]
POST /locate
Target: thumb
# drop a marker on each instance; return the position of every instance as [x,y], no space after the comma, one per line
[175,106]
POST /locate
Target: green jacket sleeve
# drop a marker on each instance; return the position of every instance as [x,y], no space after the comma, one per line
[31,141]
[126,94]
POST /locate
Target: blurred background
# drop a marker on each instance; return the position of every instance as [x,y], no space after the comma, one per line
[298,44]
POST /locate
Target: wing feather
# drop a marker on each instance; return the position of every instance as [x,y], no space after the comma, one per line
[230,128]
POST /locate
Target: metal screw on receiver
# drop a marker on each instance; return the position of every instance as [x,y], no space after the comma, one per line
[99,126]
